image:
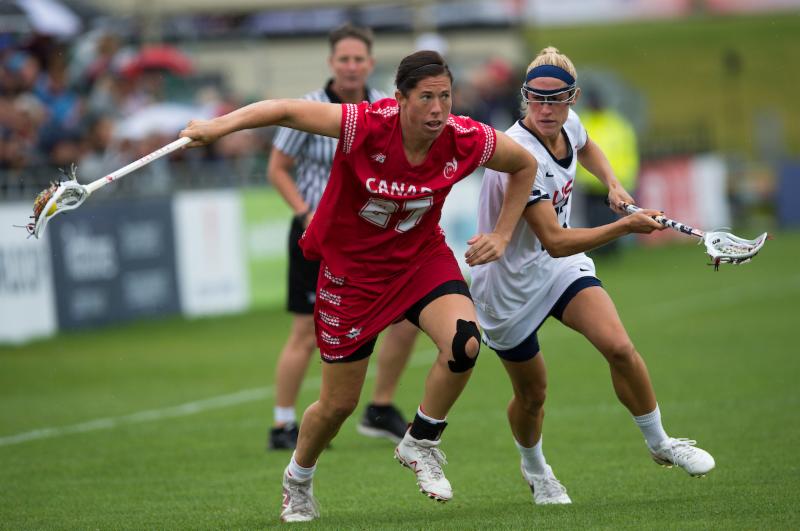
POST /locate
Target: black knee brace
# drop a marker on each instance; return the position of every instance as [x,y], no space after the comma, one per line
[465,330]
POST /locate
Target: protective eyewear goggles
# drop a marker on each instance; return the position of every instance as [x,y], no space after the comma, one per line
[560,96]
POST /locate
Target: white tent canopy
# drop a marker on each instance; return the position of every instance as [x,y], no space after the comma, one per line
[50,17]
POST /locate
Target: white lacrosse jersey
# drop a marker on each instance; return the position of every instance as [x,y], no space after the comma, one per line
[515,294]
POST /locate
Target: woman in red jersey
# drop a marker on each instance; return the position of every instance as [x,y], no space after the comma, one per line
[383,256]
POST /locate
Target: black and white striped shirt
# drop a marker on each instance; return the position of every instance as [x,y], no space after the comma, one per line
[313,154]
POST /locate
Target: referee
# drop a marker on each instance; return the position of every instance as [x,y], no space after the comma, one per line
[310,157]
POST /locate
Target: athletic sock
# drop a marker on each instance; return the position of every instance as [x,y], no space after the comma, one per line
[427,428]
[300,473]
[532,458]
[651,427]
[284,415]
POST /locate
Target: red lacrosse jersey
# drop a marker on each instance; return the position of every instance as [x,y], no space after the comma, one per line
[376,230]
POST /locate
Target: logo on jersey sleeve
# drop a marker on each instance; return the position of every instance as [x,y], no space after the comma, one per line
[450,169]
[380,158]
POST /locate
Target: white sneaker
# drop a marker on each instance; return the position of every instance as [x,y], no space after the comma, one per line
[683,453]
[299,504]
[546,489]
[426,460]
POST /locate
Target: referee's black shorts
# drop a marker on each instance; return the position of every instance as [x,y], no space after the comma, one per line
[302,273]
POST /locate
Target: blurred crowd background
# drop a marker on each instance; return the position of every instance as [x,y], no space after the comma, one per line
[87,90]
[99,83]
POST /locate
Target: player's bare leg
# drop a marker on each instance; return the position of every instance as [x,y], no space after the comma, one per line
[450,321]
[289,373]
[592,313]
[526,408]
[392,358]
[381,417]
[294,359]
[440,320]
[338,398]
[525,416]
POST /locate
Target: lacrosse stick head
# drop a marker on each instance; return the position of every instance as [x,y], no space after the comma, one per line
[726,248]
[55,199]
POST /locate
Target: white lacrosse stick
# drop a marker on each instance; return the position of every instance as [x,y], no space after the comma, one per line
[69,195]
[722,247]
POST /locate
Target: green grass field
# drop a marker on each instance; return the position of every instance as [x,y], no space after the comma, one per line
[161,425]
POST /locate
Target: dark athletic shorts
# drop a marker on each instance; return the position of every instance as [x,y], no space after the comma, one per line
[302,279]
[529,347]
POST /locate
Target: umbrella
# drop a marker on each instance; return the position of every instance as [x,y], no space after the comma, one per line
[160,118]
[48,17]
[166,58]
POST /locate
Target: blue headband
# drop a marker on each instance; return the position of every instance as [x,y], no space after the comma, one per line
[550,71]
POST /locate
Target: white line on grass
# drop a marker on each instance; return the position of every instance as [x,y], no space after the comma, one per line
[182,410]
[715,297]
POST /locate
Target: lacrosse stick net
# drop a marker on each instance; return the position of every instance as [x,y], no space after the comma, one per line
[722,247]
[69,194]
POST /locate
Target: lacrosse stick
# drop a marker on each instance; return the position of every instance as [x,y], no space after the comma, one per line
[69,195]
[722,247]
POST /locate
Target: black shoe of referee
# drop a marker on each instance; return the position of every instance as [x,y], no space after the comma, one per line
[283,437]
[383,421]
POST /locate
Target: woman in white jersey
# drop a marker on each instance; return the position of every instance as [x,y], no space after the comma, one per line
[544,272]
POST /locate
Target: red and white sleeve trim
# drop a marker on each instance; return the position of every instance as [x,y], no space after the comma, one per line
[489,145]
[349,121]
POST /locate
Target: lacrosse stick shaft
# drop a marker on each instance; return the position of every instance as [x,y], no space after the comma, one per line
[135,165]
[670,223]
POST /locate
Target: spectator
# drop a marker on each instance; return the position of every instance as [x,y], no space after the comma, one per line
[616,136]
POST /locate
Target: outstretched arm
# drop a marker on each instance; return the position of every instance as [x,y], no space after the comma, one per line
[558,241]
[511,158]
[310,116]
[593,159]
